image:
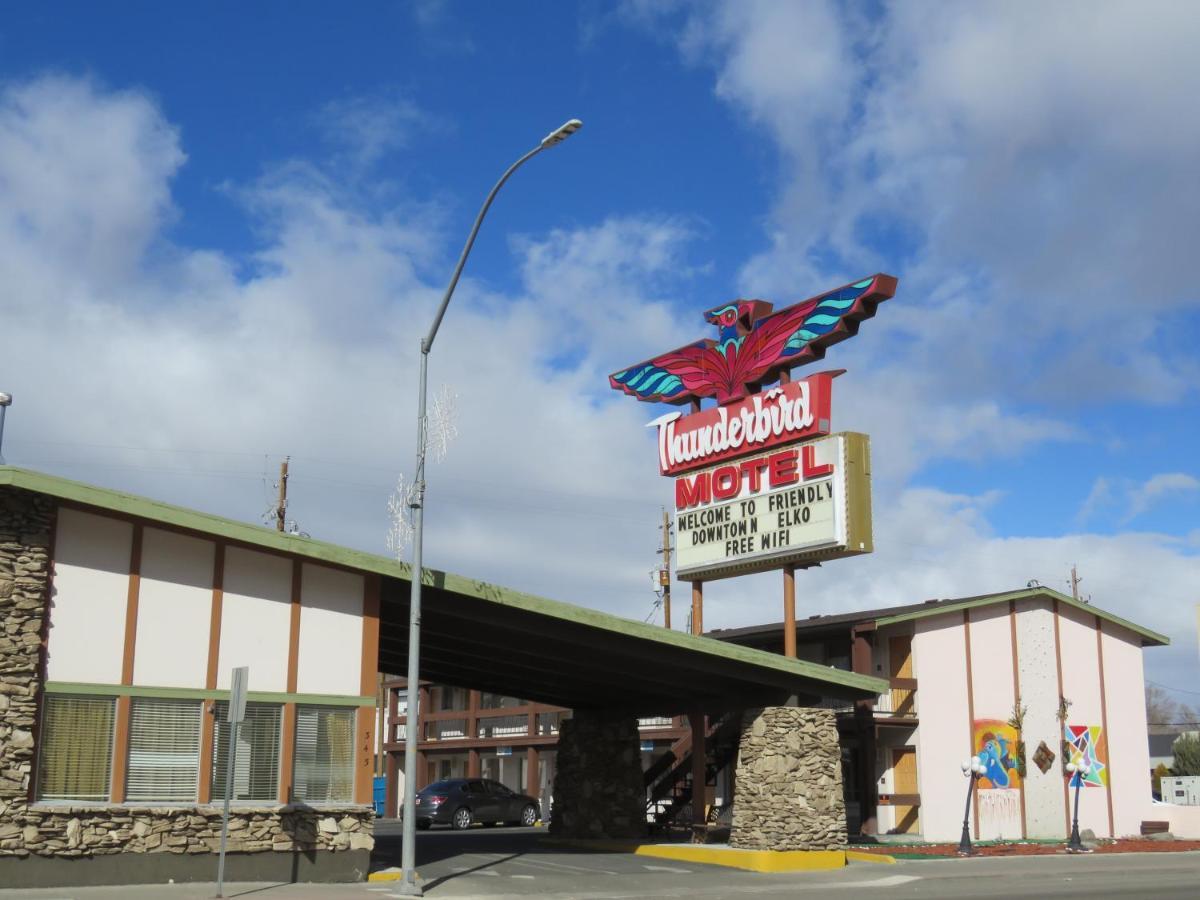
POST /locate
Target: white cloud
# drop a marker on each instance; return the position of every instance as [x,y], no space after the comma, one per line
[1160,487]
[125,341]
[173,375]
[367,127]
[1122,500]
[1035,153]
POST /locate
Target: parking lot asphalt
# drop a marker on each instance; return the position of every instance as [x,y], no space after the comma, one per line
[505,864]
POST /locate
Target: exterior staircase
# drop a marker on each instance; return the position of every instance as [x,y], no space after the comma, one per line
[668,780]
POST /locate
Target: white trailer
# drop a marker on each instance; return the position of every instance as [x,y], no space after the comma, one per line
[1182,791]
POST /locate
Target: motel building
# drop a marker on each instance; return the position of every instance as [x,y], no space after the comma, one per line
[122,618]
[1028,680]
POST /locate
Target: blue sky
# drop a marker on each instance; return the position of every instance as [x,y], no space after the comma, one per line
[225,226]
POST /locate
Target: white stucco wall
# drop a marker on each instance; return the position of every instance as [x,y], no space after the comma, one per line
[91,588]
[1038,668]
[1128,751]
[255,618]
[1081,685]
[939,665]
[330,631]
[174,610]
[994,695]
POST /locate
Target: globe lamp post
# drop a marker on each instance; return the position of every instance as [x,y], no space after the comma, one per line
[973,769]
[1077,772]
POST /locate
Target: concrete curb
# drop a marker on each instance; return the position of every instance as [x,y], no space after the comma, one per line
[729,857]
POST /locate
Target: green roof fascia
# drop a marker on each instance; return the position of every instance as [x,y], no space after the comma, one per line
[1149,637]
[218,526]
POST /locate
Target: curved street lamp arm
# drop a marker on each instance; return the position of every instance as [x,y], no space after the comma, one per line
[427,343]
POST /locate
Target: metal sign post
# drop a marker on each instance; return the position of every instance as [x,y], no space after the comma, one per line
[235,715]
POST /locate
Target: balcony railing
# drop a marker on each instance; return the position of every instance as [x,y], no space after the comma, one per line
[446,730]
[503,726]
[900,701]
[656,722]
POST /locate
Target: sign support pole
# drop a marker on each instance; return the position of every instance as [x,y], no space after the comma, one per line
[789,611]
[697,607]
[235,714]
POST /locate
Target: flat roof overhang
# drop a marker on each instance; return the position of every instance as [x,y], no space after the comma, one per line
[483,636]
[480,636]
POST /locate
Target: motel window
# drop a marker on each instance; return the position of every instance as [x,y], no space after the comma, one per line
[164,750]
[76,748]
[324,766]
[256,762]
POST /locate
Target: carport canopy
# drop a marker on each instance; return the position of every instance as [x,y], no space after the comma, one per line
[481,636]
[485,637]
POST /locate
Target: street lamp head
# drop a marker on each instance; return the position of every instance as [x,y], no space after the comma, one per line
[5,399]
[966,766]
[560,134]
[1071,767]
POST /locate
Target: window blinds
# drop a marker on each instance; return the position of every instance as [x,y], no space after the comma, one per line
[256,763]
[76,742]
[324,766]
[164,750]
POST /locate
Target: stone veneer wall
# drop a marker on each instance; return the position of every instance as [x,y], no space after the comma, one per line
[58,831]
[26,521]
[66,831]
[598,788]
[788,793]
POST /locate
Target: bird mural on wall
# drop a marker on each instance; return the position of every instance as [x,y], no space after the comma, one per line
[754,345]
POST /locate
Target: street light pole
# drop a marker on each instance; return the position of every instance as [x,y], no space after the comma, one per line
[973,769]
[408,885]
[5,402]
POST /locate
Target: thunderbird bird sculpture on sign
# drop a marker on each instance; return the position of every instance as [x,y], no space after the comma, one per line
[755,345]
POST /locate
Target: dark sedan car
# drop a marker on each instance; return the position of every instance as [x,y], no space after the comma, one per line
[458,802]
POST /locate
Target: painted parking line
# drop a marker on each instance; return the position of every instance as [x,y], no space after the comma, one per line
[669,869]
[889,881]
[553,866]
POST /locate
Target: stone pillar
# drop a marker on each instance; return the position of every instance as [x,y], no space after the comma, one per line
[789,781]
[26,521]
[598,789]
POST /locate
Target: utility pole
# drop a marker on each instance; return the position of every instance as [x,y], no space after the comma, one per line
[281,509]
[1075,579]
[664,574]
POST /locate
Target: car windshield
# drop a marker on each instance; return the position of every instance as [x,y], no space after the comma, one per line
[442,787]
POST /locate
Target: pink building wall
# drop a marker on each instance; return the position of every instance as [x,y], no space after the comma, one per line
[994,693]
[939,665]
[1128,752]
[1041,808]
[1081,685]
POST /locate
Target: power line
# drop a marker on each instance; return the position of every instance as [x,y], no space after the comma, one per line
[1167,687]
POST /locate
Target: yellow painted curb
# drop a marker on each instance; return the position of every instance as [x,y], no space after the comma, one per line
[861,856]
[751,860]
[386,876]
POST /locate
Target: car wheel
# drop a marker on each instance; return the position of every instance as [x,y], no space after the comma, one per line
[462,818]
[529,815]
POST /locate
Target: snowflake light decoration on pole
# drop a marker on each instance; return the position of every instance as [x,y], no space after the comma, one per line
[441,428]
[400,529]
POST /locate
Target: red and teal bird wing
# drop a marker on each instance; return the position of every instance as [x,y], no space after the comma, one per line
[698,370]
[801,333]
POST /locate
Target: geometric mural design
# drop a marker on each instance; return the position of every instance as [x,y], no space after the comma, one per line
[996,747]
[1086,744]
